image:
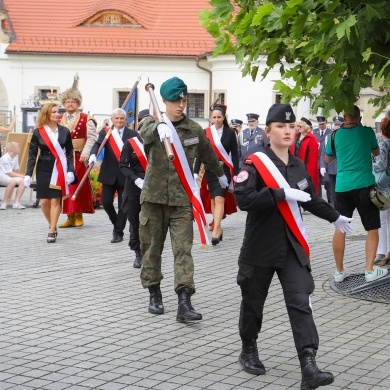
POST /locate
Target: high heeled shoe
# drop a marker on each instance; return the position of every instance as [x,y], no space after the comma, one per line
[216,240]
[51,237]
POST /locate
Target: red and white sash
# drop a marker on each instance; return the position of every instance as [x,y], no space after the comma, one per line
[187,180]
[60,168]
[139,150]
[289,209]
[212,135]
[115,142]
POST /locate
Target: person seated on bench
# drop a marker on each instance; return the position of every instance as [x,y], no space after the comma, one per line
[9,176]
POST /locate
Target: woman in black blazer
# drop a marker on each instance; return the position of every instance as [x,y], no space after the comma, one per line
[228,140]
[51,198]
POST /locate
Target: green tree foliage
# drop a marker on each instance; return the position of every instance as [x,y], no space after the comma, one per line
[340,46]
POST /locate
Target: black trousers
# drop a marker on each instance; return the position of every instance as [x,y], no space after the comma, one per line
[332,187]
[297,284]
[118,220]
[133,210]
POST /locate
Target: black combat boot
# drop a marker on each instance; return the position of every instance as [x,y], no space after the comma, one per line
[138,259]
[312,377]
[249,358]
[185,311]
[155,304]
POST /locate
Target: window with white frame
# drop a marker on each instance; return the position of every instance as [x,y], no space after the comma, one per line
[195,105]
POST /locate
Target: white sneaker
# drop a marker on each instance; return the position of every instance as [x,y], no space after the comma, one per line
[3,206]
[376,274]
[18,206]
[340,276]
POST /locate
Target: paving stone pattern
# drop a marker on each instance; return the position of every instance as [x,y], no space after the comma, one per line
[73,315]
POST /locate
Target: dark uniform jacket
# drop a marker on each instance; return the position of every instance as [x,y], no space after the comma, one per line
[37,142]
[130,166]
[267,237]
[248,144]
[109,169]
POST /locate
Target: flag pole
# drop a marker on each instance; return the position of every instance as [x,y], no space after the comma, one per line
[167,143]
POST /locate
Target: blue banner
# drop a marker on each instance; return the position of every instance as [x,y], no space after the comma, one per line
[131,110]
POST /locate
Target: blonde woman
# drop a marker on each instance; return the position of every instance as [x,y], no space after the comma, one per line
[55,169]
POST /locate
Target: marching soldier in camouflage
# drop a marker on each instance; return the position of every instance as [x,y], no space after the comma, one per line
[165,204]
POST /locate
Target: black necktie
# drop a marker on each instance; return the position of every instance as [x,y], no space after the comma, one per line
[322,133]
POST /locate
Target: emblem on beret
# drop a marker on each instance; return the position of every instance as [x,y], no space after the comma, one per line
[288,114]
[182,95]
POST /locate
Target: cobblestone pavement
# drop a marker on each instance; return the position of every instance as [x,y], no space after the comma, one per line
[73,315]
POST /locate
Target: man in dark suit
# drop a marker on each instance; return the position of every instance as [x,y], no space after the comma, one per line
[110,175]
[321,132]
[251,139]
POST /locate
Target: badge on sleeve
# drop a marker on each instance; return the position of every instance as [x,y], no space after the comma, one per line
[242,176]
[303,184]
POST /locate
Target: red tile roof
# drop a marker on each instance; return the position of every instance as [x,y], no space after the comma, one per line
[169,27]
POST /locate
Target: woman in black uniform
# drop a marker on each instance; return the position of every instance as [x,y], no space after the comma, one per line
[55,169]
[270,187]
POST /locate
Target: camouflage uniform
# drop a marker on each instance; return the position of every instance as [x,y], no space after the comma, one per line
[165,204]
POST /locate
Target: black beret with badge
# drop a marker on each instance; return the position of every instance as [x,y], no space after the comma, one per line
[282,113]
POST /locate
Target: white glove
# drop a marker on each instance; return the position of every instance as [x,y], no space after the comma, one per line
[92,159]
[69,177]
[343,224]
[27,181]
[139,183]
[223,181]
[322,171]
[164,132]
[196,176]
[297,195]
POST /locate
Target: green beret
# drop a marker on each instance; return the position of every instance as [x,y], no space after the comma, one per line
[173,89]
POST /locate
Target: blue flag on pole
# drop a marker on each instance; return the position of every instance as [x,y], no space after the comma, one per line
[131,110]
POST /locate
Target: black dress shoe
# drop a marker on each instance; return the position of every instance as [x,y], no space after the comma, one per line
[116,238]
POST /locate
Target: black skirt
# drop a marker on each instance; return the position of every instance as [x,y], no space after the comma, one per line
[44,171]
[215,188]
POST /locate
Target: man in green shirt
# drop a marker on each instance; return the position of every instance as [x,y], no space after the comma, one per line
[353,144]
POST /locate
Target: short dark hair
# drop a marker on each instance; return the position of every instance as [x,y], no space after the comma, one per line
[385,127]
[355,114]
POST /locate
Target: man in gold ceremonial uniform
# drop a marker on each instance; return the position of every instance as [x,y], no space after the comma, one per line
[82,128]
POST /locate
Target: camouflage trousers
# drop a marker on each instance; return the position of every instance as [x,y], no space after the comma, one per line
[155,220]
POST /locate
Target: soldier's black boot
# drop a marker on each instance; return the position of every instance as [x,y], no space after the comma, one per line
[185,311]
[249,358]
[312,377]
[155,304]
[138,259]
